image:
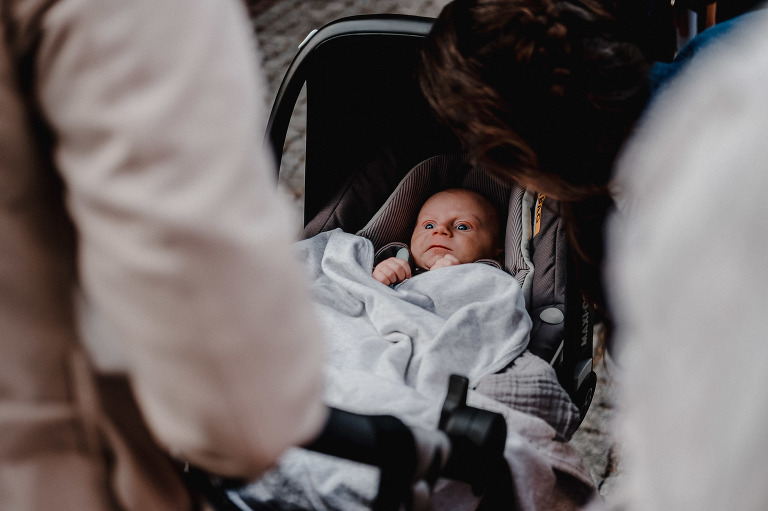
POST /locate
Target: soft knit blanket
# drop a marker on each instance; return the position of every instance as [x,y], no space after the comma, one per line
[391,351]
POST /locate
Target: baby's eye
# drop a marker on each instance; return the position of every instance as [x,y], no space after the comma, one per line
[462,227]
[429,225]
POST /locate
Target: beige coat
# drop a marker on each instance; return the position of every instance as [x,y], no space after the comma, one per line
[138,219]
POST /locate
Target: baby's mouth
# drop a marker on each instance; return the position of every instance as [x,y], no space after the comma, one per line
[438,246]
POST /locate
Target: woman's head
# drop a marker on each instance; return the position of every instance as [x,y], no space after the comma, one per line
[542,91]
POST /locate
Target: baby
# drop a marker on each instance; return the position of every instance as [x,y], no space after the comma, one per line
[455,226]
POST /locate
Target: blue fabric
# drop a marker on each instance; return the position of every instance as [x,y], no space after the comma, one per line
[662,73]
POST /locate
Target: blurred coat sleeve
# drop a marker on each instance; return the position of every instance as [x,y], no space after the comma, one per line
[183,244]
[688,281]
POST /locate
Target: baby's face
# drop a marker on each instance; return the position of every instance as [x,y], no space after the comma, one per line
[456,222]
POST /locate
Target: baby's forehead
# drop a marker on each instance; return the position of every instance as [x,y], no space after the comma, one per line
[460,201]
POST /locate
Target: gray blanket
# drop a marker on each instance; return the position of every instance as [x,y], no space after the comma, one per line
[391,351]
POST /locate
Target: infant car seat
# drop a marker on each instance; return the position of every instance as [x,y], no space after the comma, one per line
[368,124]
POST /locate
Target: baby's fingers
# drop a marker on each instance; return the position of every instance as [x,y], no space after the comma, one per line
[392,271]
[445,261]
[400,270]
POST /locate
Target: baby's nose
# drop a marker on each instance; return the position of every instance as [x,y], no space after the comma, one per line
[442,229]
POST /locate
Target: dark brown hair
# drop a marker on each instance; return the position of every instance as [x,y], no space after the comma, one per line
[542,92]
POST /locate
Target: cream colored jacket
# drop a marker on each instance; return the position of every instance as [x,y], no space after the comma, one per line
[139,218]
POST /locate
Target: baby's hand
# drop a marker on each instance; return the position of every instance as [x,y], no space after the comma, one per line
[445,261]
[392,271]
